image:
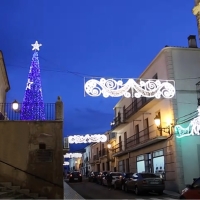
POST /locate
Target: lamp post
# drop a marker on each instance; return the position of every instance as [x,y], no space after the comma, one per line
[15,106]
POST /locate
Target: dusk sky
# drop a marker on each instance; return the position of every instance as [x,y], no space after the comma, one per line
[108,38]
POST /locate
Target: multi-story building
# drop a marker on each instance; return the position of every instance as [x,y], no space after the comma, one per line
[141,145]
[101,154]
[4,86]
[86,160]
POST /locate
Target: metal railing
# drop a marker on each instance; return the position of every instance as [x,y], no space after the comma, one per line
[37,114]
[103,152]
[117,121]
[96,157]
[118,147]
[141,137]
[135,106]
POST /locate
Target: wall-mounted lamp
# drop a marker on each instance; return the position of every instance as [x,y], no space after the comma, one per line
[109,146]
[15,106]
[157,123]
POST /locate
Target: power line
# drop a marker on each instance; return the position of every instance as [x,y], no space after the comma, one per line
[82,75]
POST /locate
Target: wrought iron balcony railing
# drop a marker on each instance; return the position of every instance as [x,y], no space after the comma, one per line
[96,157]
[38,112]
[117,121]
[135,106]
[136,139]
[103,152]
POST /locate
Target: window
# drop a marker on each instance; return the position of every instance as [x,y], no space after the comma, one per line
[42,146]
[158,153]
[141,157]
[155,76]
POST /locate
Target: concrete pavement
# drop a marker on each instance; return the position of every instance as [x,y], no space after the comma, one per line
[69,193]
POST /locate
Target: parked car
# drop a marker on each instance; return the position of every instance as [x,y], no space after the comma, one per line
[92,177]
[119,183]
[191,191]
[100,177]
[145,182]
[115,176]
[75,176]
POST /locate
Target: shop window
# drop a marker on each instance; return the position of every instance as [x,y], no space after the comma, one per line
[140,164]
[159,163]
[141,157]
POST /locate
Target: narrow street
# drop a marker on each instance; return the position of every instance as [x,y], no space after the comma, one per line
[90,190]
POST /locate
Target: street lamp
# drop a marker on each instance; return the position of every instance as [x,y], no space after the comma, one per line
[157,123]
[15,106]
[109,146]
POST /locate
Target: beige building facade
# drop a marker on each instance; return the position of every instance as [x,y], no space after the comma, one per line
[140,144]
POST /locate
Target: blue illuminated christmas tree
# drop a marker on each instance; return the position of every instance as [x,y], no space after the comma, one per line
[33,105]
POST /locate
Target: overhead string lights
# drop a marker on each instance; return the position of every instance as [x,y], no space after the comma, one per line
[87,138]
[131,88]
[73,155]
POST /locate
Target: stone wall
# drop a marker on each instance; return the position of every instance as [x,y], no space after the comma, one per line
[22,145]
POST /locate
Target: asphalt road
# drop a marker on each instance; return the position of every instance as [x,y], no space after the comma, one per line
[89,190]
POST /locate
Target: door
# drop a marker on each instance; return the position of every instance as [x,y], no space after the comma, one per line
[120,143]
[125,139]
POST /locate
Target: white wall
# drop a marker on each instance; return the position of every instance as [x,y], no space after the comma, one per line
[186,64]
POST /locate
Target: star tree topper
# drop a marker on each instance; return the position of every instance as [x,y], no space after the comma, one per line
[36,46]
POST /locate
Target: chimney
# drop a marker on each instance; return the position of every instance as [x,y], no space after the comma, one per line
[192,42]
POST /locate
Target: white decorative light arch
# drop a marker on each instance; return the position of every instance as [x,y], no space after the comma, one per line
[131,88]
[66,163]
[73,155]
[192,129]
[87,138]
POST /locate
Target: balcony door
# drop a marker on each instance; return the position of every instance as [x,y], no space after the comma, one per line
[137,137]
[120,143]
[146,129]
[125,139]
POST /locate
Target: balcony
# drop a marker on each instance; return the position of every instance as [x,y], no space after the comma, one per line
[96,157]
[118,122]
[142,104]
[103,152]
[144,138]
[7,113]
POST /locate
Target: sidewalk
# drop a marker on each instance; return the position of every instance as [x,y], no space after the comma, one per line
[69,193]
[172,194]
